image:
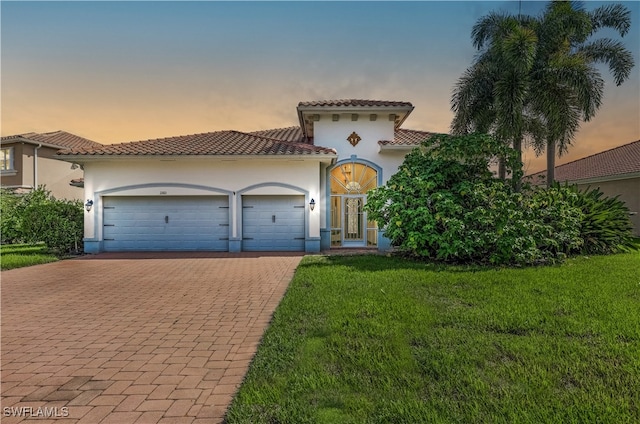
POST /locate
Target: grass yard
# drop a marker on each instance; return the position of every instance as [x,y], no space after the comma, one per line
[20,255]
[380,340]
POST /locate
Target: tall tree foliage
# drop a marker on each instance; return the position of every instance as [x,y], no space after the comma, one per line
[536,77]
[569,87]
[491,95]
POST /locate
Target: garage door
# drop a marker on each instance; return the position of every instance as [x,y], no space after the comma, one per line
[166,223]
[273,223]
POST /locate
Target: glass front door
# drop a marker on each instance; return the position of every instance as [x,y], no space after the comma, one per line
[353,224]
[350,182]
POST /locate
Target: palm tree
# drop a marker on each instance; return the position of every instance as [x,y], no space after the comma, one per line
[567,85]
[491,96]
[536,77]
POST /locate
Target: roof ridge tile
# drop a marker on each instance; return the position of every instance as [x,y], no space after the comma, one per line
[223,142]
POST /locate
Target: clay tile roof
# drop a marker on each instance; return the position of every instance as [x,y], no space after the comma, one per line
[212,143]
[354,103]
[404,137]
[620,160]
[61,139]
[293,134]
[16,136]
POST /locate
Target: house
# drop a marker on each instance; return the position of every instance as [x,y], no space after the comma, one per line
[300,188]
[29,160]
[616,172]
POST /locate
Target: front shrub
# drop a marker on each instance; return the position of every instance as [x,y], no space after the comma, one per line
[39,217]
[555,208]
[605,226]
[9,218]
[444,204]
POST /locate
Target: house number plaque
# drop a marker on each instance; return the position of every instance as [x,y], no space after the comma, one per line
[354,139]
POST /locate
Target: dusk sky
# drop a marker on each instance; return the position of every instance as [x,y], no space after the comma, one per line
[124,71]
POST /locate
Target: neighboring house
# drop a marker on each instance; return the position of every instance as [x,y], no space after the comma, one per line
[290,189]
[616,172]
[29,160]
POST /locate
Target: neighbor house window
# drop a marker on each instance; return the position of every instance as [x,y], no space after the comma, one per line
[7,159]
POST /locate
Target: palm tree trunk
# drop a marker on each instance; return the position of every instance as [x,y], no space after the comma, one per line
[502,172]
[516,174]
[551,162]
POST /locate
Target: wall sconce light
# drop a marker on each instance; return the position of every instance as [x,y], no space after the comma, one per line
[88,205]
[312,204]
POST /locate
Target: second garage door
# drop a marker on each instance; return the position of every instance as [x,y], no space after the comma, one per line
[273,223]
[166,223]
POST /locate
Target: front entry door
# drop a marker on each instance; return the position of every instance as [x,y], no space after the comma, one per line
[354,221]
[350,182]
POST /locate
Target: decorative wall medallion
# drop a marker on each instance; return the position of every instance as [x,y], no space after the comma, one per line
[354,139]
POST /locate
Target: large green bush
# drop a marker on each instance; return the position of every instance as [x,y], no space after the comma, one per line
[555,208]
[37,216]
[445,204]
[9,217]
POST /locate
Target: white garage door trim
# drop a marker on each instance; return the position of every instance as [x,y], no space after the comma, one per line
[165,223]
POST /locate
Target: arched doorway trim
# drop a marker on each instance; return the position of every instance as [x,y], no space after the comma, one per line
[348,182]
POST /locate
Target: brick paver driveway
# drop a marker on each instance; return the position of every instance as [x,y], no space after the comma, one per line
[145,338]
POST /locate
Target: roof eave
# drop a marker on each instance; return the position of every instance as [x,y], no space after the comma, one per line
[356,108]
[302,125]
[84,158]
[23,140]
[404,118]
[403,111]
[605,178]
[397,147]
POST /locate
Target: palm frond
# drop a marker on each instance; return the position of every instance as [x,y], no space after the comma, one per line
[615,16]
[519,49]
[575,73]
[536,132]
[613,53]
[490,27]
[472,100]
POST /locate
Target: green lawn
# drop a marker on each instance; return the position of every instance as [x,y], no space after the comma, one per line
[370,339]
[20,255]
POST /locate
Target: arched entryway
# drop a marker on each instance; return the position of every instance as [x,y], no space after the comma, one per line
[350,182]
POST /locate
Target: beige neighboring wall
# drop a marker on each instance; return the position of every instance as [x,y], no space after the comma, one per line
[53,173]
[615,171]
[57,175]
[628,191]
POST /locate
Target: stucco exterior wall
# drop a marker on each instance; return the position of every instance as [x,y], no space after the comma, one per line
[13,178]
[57,175]
[333,134]
[52,173]
[202,177]
[629,192]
